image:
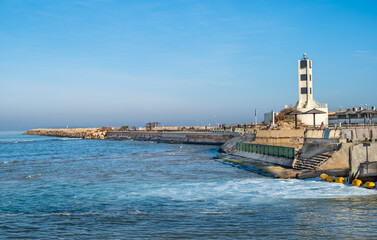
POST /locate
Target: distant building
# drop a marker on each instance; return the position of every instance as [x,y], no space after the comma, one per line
[354,116]
[311,110]
[268,117]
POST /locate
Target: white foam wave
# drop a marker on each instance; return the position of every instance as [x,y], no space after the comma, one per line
[259,189]
[135,212]
[68,139]
[6,162]
[60,214]
[17,141]
[33,176]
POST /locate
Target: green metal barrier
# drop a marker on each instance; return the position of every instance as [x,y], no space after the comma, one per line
[278,151]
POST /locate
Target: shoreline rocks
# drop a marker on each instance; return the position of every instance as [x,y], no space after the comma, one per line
[86,133]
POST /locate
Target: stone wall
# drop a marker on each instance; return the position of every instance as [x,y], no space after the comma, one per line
[339,159]
[363,160]
[353,133]
[284,137]
[323,134]
[360,133]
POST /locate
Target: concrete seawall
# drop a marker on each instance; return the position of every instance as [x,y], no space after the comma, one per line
[363,161]
[231,145]
[213,138]
[265,158]
[321,153]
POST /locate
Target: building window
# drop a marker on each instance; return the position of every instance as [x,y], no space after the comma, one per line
[304,77]
[310,77]
[310,90]
[303,64]
[304,90]
[310,64]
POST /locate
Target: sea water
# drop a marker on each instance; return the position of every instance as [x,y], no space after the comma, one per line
[101,189]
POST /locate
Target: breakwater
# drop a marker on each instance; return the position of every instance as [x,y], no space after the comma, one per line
[311,152]
[213,138]
[193,137]
[86,133]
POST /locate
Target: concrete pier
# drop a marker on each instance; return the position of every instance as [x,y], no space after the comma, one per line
[213,138]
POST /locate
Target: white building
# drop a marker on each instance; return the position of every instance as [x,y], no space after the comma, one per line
[305,92]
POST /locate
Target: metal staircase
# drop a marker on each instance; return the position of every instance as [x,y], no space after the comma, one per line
[311,163]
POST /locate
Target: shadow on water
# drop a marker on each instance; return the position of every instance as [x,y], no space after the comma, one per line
[260,169]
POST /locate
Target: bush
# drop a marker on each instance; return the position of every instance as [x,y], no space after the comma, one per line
[124,128]
[283,115]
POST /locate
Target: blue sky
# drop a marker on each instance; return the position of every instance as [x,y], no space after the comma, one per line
[112,63]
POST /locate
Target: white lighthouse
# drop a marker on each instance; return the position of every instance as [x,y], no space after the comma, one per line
[306,102]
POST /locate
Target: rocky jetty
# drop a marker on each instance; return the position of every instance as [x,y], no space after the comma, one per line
[86,133]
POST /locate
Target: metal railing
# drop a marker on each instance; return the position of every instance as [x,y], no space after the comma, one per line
[277,151]
[352,125]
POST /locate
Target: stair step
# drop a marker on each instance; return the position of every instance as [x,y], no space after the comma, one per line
[306,168]
[308,164]
[327,154]
[311,165]
[319,158]
[304,163]
[312,161]
[315,162]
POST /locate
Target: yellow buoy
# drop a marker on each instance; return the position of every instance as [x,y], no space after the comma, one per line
[323,176]
[357,183]
[340,180]
[370,185]
[331,179]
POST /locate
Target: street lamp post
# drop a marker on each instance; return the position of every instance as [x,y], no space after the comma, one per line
[237,118]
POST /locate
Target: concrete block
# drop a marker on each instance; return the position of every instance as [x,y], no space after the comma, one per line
[280,133]
[362,133]
[335,134]
[347,133]
[359,156]
[309,134]
[317,133]
[374,133]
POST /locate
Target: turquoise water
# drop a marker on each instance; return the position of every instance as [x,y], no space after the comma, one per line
[101,189]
